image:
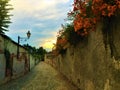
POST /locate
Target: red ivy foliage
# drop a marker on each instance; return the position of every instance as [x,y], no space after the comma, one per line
[85,20]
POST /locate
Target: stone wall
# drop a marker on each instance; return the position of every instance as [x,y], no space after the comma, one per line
[91,65]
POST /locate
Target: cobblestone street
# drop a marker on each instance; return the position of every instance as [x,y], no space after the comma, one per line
[42,77]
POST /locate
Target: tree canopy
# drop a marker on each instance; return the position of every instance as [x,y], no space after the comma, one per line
[36,52]
[5,7]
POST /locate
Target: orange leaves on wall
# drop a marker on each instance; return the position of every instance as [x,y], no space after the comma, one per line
[99,8]
[61,41]
[118,3]
[78,23]
[84,24]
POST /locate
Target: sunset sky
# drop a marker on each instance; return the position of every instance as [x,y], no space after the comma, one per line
[42,17]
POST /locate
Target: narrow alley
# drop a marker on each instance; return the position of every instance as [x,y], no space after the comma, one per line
[42,77]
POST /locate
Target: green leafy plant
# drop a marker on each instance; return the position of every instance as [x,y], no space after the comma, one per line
[67,36]
[5,7]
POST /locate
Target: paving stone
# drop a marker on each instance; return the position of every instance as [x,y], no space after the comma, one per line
[42,77]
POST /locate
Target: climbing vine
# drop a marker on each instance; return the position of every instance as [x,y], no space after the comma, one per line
[85,16]
[89,12]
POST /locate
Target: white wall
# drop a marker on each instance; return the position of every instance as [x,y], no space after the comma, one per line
[32,62]
[18,66]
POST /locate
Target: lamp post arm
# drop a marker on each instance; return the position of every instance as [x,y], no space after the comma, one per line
[28,36]
[23,37]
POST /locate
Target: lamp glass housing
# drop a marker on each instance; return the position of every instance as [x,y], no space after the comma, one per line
[28,34]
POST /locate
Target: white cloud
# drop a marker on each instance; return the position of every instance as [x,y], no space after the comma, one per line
[30,5]
[55,14]
[38,25]
[20,31]
[41,16]
[41,9]
[46,42]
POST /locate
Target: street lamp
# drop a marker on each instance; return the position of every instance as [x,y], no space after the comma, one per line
[28,36]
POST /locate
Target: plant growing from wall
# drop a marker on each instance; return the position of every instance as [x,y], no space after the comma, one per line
[67,36]
[85,15]
[61,42]
[89,12]
[72,37]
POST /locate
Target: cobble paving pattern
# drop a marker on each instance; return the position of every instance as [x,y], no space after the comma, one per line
[42,77]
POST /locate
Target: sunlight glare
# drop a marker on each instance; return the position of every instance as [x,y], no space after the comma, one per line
[49,44]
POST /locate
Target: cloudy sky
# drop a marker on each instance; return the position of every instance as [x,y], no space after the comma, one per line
[42,17]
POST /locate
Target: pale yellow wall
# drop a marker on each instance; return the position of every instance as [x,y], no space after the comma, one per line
[2,60]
